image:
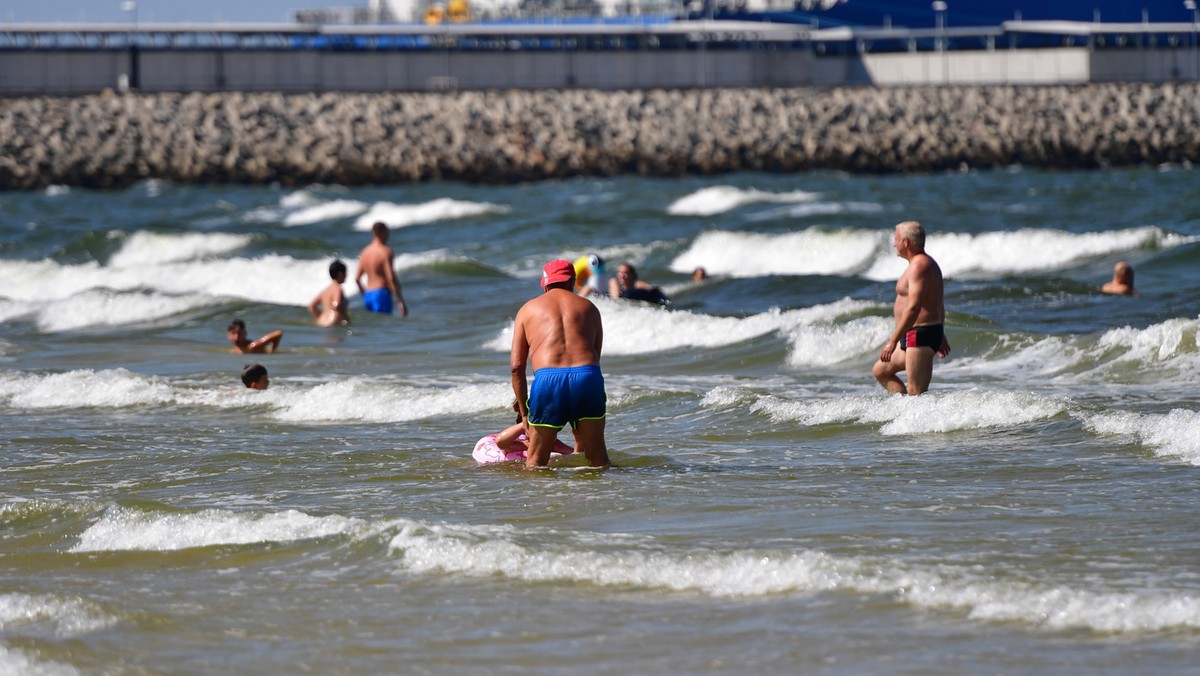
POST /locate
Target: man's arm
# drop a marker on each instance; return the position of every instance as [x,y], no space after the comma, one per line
[358,275]
[268,343]
[316,303]
[598,344]
[518,358]
[393,284]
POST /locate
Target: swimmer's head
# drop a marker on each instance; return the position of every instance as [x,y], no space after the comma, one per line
[337,271]
[255,377]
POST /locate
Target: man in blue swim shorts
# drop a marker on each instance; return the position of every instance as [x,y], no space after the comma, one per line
[560,334]
[377,262]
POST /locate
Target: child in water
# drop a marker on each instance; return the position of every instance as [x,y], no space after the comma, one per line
[255,377]
[516,435]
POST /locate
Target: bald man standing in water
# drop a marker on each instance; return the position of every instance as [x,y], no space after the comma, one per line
[561,335]
[920,314]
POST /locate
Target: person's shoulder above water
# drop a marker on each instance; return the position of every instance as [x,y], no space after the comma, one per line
[627,285]
[1122,282]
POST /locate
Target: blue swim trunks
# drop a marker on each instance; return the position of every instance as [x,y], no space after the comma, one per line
[378,300]
[562,395]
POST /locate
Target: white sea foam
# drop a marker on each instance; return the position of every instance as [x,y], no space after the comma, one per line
[151,248]
[363,401]
[443,209]
[17,662]
[930,413]
[869,253]
[636,328]
[611,561]
[1165,352]
[1175,434]
[298,200]
[721,198]
[825,344]
[272,279]
[74,389]
[92,309]
[11,309]
[67,616]
[57,190]
[807,252]
[122,529]
[324,211]
[1023,251]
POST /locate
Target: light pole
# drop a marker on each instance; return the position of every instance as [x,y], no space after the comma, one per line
[939,8]
[133,81]
[1191,4]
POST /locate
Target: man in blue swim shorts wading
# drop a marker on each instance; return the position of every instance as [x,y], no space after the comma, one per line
[561,335]
[377,262]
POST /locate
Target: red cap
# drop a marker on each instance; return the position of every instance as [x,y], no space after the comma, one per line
[556,272]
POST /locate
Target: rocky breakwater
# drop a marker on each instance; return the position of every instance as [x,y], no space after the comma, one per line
[111,140]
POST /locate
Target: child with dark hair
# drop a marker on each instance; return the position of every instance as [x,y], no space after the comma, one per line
[255,377]
[329,307]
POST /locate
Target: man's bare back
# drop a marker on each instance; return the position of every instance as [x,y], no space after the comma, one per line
[560,334]
[377,263]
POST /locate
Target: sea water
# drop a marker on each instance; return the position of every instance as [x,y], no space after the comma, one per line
[772,509]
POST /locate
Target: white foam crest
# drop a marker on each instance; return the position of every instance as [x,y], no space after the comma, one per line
[638,328]
[724,396]
[442,209]
[298,200]
[818,209]
[115,388]
[11,309]
[17,662]
[68,616]
[325,211]
[826,344]
[273,279]
[1057,608]
[121,529]
[807,252]
[359,400]
[151,248]
[1175,434]
[721,198]
[92,309]
[927,414]
[1022,251]
[57,190]
[608,561]
[1159,352]
[1155,343]
[446,548]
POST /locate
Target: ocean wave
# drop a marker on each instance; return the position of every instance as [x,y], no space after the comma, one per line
[94,309]
[807,252]
[869,253]
[123,529]
[636,328]
[356,400]
[151,248]
[612,562]
[1175,434]
[66,616]
[324,211]
[721,198]
[930,413]
[443,209]
[349,400]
